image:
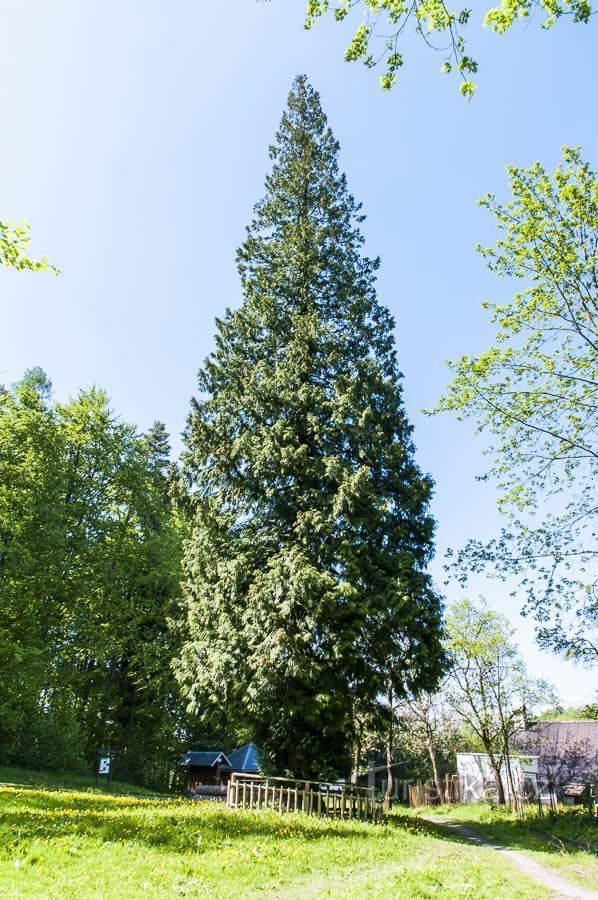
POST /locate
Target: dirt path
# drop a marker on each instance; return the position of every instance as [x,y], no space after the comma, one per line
[558,886]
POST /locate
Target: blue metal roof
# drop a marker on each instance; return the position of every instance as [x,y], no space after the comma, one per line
[205,758]
[245,759]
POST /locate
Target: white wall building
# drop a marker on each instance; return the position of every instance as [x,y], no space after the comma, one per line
[477,781]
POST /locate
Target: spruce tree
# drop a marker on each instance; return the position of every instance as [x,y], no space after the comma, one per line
[306,595]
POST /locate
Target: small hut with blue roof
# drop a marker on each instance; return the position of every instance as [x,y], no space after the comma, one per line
[245,760]
[209,771]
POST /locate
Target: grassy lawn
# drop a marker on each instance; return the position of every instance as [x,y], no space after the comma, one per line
[67,845]
[566,840]
[75,782]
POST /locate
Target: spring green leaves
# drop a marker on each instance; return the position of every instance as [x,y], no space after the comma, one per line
[534,394]
[379,37]
[14,247]
[89,567]
[535,388]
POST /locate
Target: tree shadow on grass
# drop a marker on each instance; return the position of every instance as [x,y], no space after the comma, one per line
[193,827]
[561,834]
[418,826]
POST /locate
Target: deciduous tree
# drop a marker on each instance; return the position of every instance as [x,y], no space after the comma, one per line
[428,727]
[89,568]
[489,687]
[535,392]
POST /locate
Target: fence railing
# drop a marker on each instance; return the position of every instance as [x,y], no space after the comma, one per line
[340,801]
[477,788]
[428,794]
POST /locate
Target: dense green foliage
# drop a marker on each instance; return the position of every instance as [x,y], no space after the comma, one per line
[534,391]
[58,845]
[561,713]
[89,565]
[307,598]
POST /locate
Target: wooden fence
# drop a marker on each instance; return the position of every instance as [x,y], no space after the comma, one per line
[427,794]
[346,801]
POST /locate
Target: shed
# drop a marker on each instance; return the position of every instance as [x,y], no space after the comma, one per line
[245,759]
[477,779]
[204,768]
[567,754]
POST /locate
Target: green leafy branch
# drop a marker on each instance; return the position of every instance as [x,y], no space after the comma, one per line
[14,246]
[376,39]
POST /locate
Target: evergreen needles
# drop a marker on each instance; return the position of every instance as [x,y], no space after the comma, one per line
[306,602]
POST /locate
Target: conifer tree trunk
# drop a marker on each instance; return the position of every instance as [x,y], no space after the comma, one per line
[390,775]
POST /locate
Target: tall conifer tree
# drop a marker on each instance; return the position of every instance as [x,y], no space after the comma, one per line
[306,593]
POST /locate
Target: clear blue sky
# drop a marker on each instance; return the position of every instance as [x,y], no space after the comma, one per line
[135,142]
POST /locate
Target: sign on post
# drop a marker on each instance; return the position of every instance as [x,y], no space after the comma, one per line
[104,762]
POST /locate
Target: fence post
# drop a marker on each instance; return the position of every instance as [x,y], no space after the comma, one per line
[285,794]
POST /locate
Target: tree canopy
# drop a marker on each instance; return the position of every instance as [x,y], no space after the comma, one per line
[489,687]
[89,568]
[535,393]
[306,593]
